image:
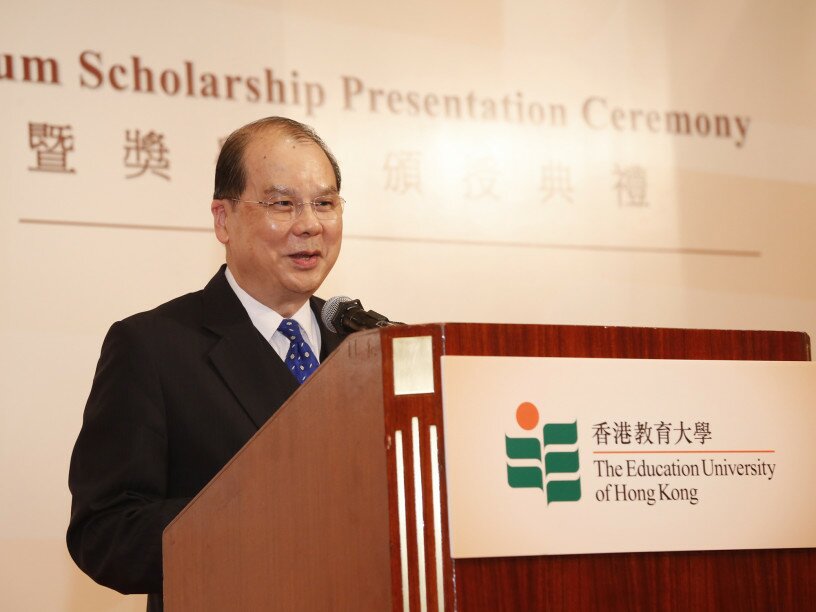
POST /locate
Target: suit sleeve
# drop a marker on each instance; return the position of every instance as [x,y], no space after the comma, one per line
[119,467]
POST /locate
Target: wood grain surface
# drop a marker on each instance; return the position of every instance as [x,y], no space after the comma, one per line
[720,580]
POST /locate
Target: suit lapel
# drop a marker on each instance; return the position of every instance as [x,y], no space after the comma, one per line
[244,359]
[328,340]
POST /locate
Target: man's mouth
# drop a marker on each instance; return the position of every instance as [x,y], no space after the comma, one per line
[305,258]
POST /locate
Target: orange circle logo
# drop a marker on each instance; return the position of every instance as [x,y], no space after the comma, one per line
[527,415]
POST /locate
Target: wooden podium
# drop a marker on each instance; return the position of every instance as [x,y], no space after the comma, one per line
[339,501]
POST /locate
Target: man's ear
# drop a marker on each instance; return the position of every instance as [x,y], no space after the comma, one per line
[219,213]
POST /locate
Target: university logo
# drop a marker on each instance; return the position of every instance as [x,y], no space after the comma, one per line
[555,463]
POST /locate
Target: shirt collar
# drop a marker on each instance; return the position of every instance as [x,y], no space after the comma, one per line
[267,320]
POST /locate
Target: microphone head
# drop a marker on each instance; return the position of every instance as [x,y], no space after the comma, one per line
[330,310]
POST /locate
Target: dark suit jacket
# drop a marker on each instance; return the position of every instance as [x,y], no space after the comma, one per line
[177,392]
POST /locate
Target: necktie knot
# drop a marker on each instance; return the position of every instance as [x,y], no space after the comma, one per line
[300,359]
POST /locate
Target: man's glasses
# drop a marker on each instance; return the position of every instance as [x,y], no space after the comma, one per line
[326,208]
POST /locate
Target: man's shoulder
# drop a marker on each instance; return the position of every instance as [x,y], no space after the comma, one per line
[190,309]
[181,305]
[183,311]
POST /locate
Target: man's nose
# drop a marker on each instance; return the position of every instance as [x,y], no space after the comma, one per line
[307,222]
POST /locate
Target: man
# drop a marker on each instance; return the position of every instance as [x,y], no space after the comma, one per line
[180,389]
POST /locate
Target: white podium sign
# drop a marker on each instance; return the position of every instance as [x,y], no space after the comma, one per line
[566,456]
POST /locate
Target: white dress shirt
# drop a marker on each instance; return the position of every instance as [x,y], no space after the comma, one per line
[267,321]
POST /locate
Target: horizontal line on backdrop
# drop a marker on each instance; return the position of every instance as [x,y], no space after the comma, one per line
[460,242]
[568,247]
[136,226]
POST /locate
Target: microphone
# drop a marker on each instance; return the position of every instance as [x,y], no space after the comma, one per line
[341,314]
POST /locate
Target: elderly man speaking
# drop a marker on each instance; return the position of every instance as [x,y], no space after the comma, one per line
[180,389]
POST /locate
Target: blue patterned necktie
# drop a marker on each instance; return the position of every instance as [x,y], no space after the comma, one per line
[300,359]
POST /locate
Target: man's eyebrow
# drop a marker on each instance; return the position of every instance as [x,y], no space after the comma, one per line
[288,191]
[280,189]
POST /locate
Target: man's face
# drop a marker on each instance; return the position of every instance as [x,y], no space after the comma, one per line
[280,264]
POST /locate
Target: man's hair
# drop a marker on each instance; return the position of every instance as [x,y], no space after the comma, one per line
[230,173]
